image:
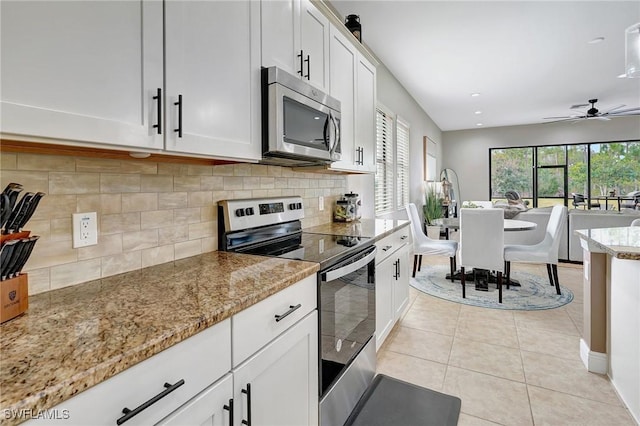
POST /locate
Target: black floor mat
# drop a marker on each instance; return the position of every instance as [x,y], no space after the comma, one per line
[388,401]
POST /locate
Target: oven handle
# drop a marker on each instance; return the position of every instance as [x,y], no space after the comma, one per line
[347,269]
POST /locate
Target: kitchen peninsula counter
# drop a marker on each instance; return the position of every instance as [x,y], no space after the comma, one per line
[369,228]
[76,337]
[610,341]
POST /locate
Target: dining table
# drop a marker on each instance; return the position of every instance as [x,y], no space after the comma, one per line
[510,225]
[618,198]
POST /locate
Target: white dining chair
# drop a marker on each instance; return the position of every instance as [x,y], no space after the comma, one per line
[482,243]
[545,251]
[636,222]
[425,245]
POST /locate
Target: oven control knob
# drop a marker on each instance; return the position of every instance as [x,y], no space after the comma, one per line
[292,206]
[299,206]
[249,211]
[239,212]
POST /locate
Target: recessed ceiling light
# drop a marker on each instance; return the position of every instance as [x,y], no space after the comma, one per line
[478,124]
[596,40]
[475,95]
[623,75]
[478,112]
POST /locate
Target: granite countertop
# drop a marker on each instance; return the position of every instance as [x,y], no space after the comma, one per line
[73,338]
[370,228]
[623,242]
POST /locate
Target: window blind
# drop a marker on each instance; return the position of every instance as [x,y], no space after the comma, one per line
[402,164]
[384,162]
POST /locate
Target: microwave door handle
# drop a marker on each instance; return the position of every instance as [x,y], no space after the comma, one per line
[336,133]
[325,133]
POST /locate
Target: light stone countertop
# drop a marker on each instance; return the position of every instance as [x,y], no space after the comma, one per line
[622,242]
[74,338]
[370,228]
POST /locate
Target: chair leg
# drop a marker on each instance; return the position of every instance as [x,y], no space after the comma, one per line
[464,294]
[420,263]
[549,273]
[555,276]
[506,272]
[455,266]
[415,264]
[499,287]
[451,260]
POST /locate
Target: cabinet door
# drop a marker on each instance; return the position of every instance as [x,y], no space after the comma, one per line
[401,283]
[314,37]
[211,64]
[207,408]
[281,379]
[385,280]
[82,71]
[281,35]
[343,87]
[366,114]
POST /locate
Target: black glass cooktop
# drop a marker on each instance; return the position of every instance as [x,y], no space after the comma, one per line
[319,248]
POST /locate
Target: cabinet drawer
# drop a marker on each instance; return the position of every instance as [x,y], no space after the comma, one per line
[199,361]
[392,243]
[256,326]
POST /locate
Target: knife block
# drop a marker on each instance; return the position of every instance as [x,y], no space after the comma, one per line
[14,297]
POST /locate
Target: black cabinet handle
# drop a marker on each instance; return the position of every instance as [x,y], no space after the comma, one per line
[158,96]
[179,104]
[229,408]
[404,237]
[128,414]
[301,71]
[247,391]
[289,312]
[395,274]
[308,61]
[385,248]
[398,267]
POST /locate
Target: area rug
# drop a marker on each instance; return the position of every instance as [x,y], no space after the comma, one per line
[535,293]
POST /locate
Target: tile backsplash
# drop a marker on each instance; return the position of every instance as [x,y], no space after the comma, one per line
[148,212]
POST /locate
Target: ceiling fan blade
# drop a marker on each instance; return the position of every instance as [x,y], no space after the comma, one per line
[626,111]
[551,118]
[613,109]
[579,106]
[599,117]
[563,119]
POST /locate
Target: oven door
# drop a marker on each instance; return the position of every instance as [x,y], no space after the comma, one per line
[301,127]
[347,305]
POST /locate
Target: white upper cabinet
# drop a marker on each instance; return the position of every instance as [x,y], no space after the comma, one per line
[295,38]
[353,82]
[343,87]
[315,29]
[365,135]
[213,78]
[82,71]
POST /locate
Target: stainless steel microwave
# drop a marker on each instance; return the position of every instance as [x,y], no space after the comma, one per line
[300,124]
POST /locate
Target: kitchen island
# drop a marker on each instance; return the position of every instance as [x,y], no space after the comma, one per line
[611,338]
[77,337]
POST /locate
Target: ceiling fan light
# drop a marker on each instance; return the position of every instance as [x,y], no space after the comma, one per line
[632,51]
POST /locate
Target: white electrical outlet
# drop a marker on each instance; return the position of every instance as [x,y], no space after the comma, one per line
[85,229]
[321,203]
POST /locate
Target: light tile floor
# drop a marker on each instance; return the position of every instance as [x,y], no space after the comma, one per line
[508,367]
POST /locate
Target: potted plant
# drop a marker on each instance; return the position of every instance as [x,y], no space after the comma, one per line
[432,210]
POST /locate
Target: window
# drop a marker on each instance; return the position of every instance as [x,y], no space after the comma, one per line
[402,163]
[384,162]
[542,173]
[392,162]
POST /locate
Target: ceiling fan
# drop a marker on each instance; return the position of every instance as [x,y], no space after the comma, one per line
[593,113]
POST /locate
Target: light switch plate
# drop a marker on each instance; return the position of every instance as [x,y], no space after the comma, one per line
[85,229]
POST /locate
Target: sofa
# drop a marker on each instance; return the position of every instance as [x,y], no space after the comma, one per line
[570,248]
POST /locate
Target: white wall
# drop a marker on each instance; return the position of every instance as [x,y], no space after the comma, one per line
[394,96]
[467,151]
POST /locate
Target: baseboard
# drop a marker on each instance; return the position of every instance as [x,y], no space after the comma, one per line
[596,362]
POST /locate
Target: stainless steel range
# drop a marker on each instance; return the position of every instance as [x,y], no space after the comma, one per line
[346,290]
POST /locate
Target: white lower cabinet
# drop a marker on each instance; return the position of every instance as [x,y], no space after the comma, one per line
[279,384]
[392,281]
[195,383]
[212,407]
